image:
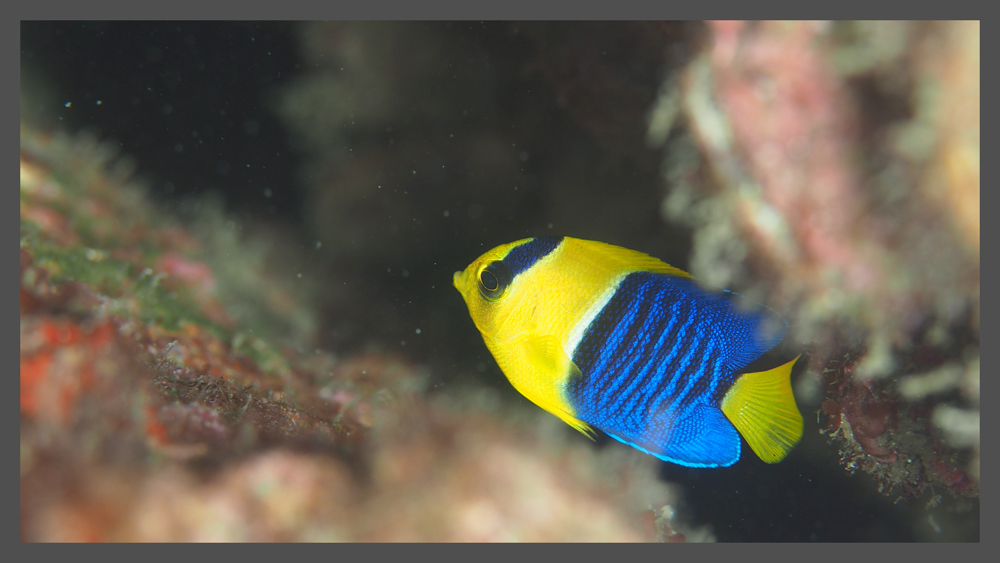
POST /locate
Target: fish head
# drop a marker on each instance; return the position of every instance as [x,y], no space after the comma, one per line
[486,286]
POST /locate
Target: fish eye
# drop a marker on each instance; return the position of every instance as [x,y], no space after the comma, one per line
[489,281]
[493,280]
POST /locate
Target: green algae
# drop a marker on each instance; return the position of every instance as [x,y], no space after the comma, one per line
[129,293]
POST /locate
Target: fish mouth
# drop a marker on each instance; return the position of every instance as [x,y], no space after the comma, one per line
[456,280]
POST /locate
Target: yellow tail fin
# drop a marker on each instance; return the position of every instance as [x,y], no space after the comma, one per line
[761,406]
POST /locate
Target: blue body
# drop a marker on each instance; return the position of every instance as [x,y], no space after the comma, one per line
[657,361]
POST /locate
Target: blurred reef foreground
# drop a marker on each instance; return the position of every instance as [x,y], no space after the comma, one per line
[176,374]
[151,412]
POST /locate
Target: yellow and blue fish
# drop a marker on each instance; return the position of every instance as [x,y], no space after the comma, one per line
[606,337]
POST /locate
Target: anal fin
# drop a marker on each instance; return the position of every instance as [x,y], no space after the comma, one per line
[699,437]
[703,438]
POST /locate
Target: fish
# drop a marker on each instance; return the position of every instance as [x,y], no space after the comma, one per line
[614,339]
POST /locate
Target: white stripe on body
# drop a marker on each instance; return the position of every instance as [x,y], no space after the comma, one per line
[576,335]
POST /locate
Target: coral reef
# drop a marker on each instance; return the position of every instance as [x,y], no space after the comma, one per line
[841,166]
[150,412]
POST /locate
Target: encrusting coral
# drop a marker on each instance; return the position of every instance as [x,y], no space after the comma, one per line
[149,413]
[842,165]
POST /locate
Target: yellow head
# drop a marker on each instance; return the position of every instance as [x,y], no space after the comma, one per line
[486,287]
[522,302]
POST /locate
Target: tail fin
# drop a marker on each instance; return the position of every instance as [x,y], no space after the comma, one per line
[761,406]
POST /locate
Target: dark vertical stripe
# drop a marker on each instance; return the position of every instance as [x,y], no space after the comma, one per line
[695,379]
[683,344]
[523,257]
[679,343]
[659,354]
[619,357]
[659,394]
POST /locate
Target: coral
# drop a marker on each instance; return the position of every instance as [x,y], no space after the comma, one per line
[834,181]
[876,426]
[150,412]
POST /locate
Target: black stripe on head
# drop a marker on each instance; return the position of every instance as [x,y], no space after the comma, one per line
[523,257]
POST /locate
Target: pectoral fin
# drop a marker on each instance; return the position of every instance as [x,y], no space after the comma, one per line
[553,369]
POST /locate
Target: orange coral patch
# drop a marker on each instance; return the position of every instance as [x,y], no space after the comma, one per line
[33,371]
[100,337]
[60,334]
[156,431]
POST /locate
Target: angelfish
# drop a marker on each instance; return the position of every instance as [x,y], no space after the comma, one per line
[610,338]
